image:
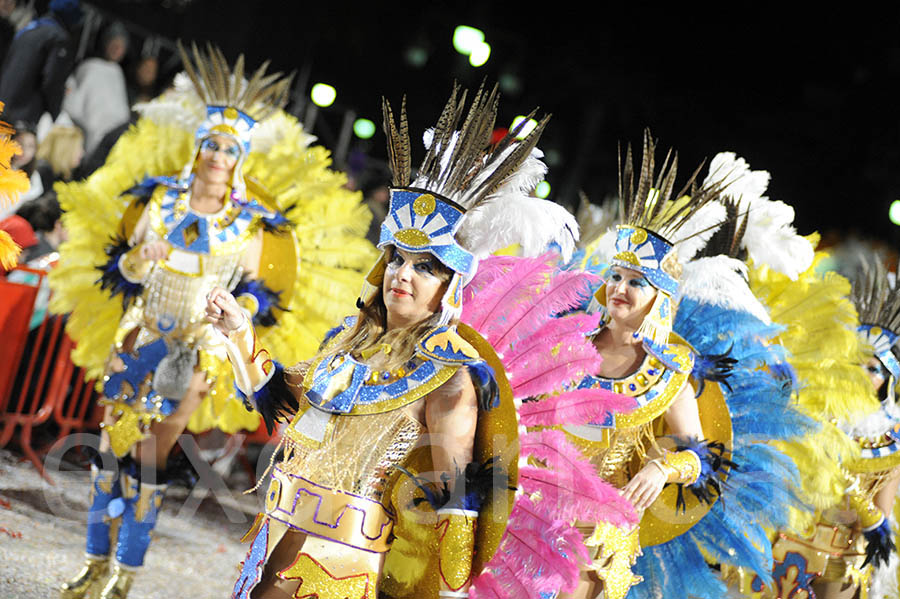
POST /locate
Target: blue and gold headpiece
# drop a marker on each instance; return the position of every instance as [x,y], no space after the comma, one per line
[229,121]
[461,171]
[881,340]
[643,250]
[877,299]
[234,105]
[653,212]
[422,221]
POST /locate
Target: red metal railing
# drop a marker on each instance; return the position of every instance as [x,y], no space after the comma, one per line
[42,381]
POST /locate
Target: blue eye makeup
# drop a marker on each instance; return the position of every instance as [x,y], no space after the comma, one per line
[426,266]
[639,283]
[212,146]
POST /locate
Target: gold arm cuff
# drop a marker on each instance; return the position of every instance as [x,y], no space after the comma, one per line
[134,268]
[252,364]
[682,467]
[248,302]
[456,531]
[329,513]
[869,515]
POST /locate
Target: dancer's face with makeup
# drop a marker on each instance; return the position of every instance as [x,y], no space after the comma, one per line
[629,296]
[414,283]
[876,372]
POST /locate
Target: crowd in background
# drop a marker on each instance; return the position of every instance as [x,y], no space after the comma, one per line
[67,111]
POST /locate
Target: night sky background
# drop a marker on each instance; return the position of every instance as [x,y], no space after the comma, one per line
[811,97]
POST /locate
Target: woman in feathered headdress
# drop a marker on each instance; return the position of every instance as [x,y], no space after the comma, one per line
[644,359]
[209,189]
[849,547]
[406,425]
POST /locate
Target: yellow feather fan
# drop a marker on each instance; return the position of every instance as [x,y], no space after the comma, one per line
[319,270]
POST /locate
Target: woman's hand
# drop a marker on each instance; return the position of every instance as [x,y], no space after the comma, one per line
[223,311]
[645,487]
[154,250]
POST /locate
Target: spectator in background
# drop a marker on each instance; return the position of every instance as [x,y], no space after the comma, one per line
[7,27]
[98,102]
[60,155]
[44,216]
[40,58]
[27,162]
[145,84]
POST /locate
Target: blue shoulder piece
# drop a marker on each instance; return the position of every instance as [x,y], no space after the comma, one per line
[145,188]
[675,357]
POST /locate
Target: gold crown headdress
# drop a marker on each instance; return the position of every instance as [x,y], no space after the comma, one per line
[469,198]
[656,219]
[234,105]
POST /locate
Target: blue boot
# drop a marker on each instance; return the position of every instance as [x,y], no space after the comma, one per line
[142,503]
[106,507]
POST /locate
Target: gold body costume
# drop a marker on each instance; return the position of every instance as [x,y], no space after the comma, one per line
[336,502]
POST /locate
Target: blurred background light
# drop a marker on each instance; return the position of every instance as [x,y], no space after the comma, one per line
[466,38]
[323,95]
[363,128]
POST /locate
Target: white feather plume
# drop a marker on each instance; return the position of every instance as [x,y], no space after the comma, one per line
[602,249]
[271,131]
[875,425]
[770,237]
[511,215]
[693,235]
[720,281]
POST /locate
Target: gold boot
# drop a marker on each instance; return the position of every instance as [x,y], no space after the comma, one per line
[118,585]
[88,581]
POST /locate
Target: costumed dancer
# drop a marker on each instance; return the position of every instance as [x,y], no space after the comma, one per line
[401,462]
[214,186]
[12,183]
[835,557]
[817,324]
[741,398]
[645,359]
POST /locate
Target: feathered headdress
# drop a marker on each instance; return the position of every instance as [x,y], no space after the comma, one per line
[234,105]
[468,198]
[878,302]
[656,221]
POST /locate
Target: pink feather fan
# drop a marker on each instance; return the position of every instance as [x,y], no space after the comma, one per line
[514,303]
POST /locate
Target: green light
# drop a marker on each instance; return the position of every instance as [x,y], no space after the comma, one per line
[416,56]
[526,129]
[363,128]
[465,39]
[480,54]
[542,190]
[894,212]
[323,95]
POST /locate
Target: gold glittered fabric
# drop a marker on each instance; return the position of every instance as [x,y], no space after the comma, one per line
[360,454]
[316,581]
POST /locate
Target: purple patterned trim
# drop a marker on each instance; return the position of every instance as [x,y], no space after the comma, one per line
[273,514]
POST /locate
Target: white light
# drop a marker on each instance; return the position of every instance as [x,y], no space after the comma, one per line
[894,212]
[323,95]
[465,39]
[542,190]
[526,128]
[480,54]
